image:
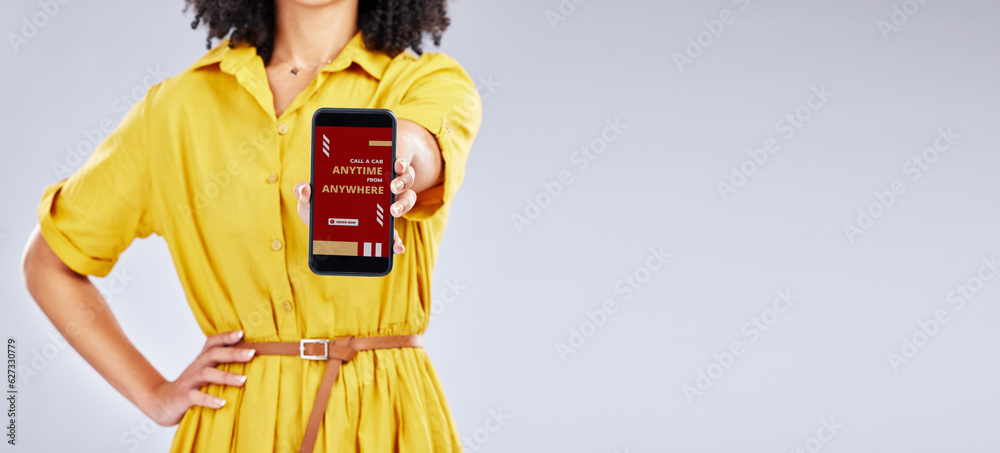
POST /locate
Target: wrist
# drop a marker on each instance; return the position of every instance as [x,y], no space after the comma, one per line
[148,399]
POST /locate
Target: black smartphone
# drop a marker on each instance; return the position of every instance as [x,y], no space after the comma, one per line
[350,227]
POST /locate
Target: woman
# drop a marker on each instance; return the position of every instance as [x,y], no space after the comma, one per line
[214,160]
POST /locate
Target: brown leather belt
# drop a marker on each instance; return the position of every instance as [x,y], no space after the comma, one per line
[338,351]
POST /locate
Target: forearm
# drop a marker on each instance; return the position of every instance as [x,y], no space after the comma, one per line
[83,317]
[425,157]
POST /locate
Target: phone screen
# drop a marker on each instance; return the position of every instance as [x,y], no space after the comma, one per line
[351,229]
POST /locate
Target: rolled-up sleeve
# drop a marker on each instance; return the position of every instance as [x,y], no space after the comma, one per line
[91,217]
[443,99]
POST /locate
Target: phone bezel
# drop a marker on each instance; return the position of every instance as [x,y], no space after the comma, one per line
[361,266]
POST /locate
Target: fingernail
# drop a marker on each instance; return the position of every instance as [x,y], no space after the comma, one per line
[397,186]
[239,334]
[221,402]
[243,379]
[396,209]
[249,352]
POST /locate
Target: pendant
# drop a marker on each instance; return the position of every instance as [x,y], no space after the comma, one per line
[295,71]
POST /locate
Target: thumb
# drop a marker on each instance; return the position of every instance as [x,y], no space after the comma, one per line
[302,191]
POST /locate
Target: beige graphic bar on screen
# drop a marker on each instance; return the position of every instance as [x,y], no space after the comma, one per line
[335,248]
[379,143]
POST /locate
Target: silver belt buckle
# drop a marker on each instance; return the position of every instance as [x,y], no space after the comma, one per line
[326,348]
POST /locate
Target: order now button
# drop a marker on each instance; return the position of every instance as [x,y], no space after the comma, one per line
[343,222]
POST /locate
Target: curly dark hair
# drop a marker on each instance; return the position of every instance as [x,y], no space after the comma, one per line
[389,26]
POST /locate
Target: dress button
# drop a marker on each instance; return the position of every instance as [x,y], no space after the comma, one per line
[287,306]
[282,129]
[276,245]
[272,178]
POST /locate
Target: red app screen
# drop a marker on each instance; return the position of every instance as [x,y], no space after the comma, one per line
[351,194]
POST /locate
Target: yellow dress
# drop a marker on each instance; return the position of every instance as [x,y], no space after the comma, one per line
[203,162]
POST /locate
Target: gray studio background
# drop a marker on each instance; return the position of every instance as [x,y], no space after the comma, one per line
[890,343]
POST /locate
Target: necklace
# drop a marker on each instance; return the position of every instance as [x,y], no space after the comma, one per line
[297,69]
